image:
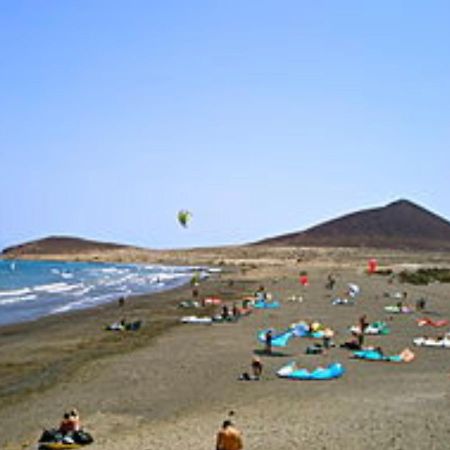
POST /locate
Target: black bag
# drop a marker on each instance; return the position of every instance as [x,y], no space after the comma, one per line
[51,436]
[82,438]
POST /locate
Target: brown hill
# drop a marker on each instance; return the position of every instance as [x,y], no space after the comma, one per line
[55,245]
[399,225]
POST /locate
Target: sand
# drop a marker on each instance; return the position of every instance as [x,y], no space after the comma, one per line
[169,386]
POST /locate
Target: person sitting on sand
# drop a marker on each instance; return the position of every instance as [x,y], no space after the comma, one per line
[67,425]
[261,294]
[228,437]
[225,312]
[75,417]
[257,367]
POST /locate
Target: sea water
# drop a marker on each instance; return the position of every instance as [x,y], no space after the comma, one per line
[32,289]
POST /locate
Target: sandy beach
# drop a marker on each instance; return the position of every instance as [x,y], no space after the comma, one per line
[169,386]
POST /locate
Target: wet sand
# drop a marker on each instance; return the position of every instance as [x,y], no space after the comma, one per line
[169,386]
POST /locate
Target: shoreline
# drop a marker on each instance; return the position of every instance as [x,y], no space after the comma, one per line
[152,289]
[159,309]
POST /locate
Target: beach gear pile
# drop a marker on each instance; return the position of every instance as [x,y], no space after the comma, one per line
[189,304]
[125,326]
[399,309]
[375,328]
[342,301]
[54,439]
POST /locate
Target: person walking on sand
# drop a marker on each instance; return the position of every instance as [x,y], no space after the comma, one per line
[229,437]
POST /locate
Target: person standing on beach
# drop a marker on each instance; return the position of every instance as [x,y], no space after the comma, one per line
[363,324]
[268,338]
[229,437]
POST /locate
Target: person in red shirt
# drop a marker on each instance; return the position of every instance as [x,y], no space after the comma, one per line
[67,425]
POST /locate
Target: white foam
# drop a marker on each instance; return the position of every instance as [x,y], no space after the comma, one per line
[11,301]
[15,292]
[56,287]
[84,303]
[67,275]
[83,291]
[114,270]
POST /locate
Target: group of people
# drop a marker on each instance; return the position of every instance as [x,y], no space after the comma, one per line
[68,435]
[230,314]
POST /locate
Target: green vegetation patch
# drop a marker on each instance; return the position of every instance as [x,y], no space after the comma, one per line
[425,276]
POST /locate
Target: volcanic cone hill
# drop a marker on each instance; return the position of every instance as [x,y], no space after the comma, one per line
[58,245]
[399,225]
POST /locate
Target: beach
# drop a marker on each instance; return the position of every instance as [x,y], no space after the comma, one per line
[170,386]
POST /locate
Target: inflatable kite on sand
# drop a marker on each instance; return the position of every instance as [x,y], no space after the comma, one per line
[197,320]
[432,323]
[263,304]
[291,372]
[278,340]
[303,329]
[375,355]
[439,342]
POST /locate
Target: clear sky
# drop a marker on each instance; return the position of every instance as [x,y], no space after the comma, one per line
[261,117]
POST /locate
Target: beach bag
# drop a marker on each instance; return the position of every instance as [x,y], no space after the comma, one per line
[83,438]
[313,350]
[245,376]
[51,436]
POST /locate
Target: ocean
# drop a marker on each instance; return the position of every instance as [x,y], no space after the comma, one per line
[33,289]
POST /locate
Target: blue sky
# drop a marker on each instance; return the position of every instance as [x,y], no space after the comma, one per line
[261,117]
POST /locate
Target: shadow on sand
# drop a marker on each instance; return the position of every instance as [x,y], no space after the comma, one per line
[274,353]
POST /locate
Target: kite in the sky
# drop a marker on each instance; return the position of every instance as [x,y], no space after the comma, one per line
[184,217]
